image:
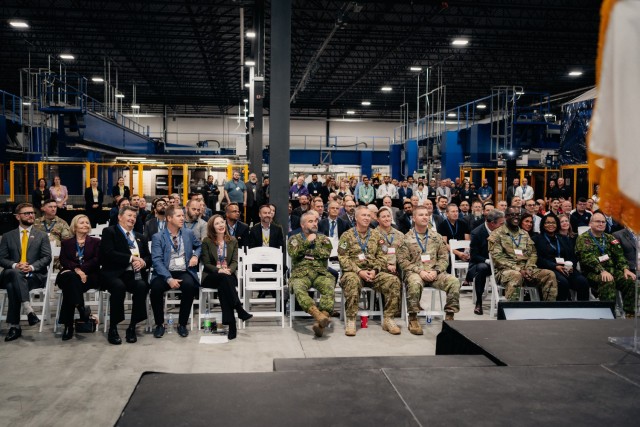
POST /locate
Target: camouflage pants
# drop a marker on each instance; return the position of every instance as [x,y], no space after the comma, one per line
[444,282]
[323,281]
[385,283]
[607,290]
[545,281]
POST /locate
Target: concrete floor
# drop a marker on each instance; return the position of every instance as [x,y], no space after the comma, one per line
[86,381]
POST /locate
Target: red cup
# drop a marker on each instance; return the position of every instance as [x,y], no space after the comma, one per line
[364,321]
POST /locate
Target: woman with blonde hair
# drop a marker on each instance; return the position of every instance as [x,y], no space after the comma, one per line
[59,193]
[220,260]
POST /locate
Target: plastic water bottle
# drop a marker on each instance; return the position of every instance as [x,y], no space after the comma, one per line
[206,327]
[429,319]
[170,324]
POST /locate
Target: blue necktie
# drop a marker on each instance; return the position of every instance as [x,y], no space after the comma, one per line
[332,229]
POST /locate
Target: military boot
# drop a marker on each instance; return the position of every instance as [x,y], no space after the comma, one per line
[350,327]
[448,316]
[390,326]
[414,325]
[321,321]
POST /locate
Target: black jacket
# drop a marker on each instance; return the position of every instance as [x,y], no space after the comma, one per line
[276,237]
[115,253]
[479,247]
[241,233]
[547,252]
[324,225]
[88,198]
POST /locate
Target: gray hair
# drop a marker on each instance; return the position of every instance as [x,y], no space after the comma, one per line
[494,215]
[127,208]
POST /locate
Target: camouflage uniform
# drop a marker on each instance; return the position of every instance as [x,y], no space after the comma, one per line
[348,254]
[502,247]
[57,228]
[309,269]
[588,253]
[410,259]
[394,240]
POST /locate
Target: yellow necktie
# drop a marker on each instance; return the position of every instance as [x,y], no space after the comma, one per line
[25,242]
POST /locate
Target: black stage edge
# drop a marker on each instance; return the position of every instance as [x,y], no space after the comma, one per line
[477,396]
[379,362]
[538,342]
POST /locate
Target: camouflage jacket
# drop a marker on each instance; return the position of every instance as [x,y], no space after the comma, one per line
[394,240]
[349,251]
[410,254]
[588,253]
[502,248]
[308,256]
[57,229]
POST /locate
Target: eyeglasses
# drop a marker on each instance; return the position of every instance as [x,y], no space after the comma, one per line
[27,213]
[512,214]
[599,222]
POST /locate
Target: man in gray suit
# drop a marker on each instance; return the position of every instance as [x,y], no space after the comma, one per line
[25,255]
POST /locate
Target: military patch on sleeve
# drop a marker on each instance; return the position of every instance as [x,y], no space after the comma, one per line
[615,242]
[294,242]
[381,241]
[343,245]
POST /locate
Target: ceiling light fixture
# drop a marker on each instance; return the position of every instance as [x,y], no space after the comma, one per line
[251,34]
[452,115]
[250,63]
[18,24]
[119,95]
[481,106]
[386,88]
[520,92]
[575,73]
[135,106]
[366,103]
[415,68]
[97,79]
[26,103]
[350,112]
[460,42]
[245,100]
[247,85]
[67,56]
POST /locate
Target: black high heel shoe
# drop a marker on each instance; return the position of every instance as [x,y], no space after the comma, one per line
[68,332]
[233,331]
[242,313]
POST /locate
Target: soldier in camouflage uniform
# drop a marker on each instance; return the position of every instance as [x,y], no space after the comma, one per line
[603,263]
[309,253]
[393,239]
[514,259]
[56,228]
[424,259]
[363,263]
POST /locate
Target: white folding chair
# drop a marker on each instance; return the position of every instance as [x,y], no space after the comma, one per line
[496,290]
[97,232]
[434,294]
[583,229]
[208,296]
[459,268]
[93,298]
[271,280]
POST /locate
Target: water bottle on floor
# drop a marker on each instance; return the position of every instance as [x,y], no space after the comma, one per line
[170,324]
[206,324]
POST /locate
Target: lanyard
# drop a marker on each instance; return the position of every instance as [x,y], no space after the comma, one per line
[192,226]
[132,243]
[517,245]
[176,248]
[161,225]
[426,240]
[80,251]
[232,230]
[366,241]
[453,234]
[53,223]
[557,244]
[602,247]
[386,237]
[265,238]
[222,254]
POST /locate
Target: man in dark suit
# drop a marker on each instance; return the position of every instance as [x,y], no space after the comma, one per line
[158,221]
[265,233]
[479,268]
[125,260]
[333,226]
[314,187]
[237,228]
[511,190]
[25,255]
[175,253]
[350,212]
[403,217]
[252,199]
[628,242]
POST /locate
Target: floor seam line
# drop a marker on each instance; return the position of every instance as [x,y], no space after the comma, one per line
[620,376]
[401,398]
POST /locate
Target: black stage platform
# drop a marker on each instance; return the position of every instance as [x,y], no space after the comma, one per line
[559,373]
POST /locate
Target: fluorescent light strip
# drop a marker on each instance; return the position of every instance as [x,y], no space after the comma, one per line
[67,56]
[18,24]
[460,42]
[366,103]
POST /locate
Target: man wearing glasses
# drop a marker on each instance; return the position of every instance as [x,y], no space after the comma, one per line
[514,258]
[237,228]
[25,255]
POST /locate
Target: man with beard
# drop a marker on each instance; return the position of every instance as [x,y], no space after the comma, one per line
[158,221]
[252,199]
[236,192]
[193,220]
[210,192]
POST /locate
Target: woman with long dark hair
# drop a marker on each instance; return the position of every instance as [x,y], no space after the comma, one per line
[220,261]
[39,195]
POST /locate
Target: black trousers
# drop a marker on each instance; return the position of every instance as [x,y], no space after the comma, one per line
[479,273]
[227,294]
[189,289]
[18,286]
[576,282]
[72,294]
[118,288]
[252,214]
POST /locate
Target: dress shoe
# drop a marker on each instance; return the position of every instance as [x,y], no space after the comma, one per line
[14,334]
[130,335]
[242,313]
[233,331]
[68,333]
[182,331]
[478,310]
[159,331]
[33,319]
[114,337]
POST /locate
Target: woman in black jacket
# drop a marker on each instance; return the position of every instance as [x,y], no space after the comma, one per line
[553,251]
[40,194]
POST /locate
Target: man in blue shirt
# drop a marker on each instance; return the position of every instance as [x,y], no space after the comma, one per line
[236,192]
[485,192]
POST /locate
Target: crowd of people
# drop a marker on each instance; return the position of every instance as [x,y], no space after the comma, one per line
[387,235]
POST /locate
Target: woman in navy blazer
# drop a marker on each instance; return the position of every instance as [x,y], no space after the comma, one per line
[79,257]
[220,261]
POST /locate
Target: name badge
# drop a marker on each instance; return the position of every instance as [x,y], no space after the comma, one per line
[559,260]
[179,262]
[237,188]
[519,252]
[603,258]
[295,194]
[391,251]
[425,257]
[134,252]
[309,257]
[361,257]
[58,199]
